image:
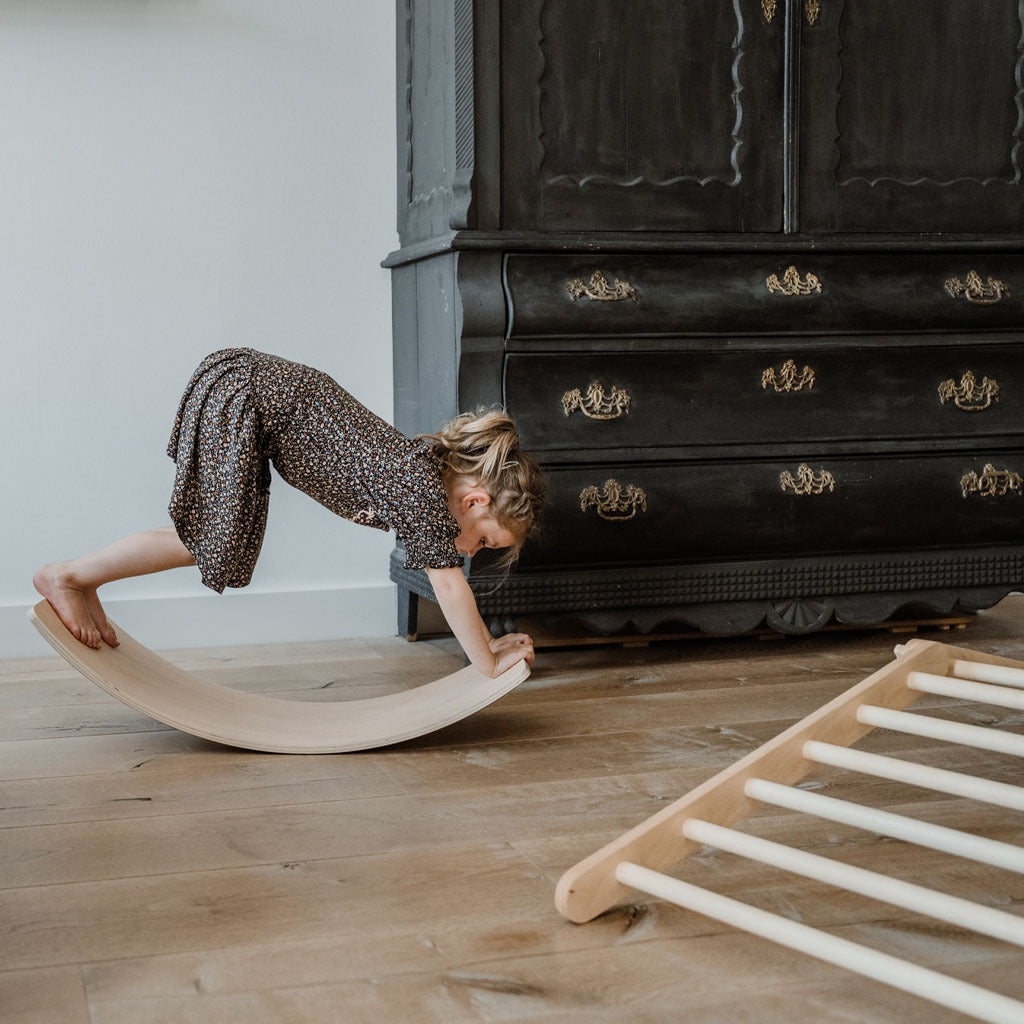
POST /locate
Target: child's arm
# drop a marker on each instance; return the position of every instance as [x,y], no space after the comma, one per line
[490,656]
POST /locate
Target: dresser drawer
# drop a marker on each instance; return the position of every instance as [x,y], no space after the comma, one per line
[796,394]
[649,513]
[631,295]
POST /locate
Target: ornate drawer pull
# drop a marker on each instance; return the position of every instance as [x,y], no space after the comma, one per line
[991,482]
[969,395]
[812,8]
[615,503]
[981,293]
[598,404]
[791,283]
[599,290]
[807,481]
[788,378]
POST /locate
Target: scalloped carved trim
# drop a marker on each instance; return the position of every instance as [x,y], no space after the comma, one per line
[800,597]
[739,618]
[597,178]
[1015,142]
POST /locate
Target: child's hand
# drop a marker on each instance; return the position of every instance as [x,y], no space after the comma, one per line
[511,649]
[490,656]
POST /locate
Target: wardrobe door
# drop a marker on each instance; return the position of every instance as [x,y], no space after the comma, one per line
[912,116]
[652,115]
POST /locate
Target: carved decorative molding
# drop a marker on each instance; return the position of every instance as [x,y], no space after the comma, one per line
[581,178]
[696,590]
[465,129]
[799,615]
[423,196]
[1014,141]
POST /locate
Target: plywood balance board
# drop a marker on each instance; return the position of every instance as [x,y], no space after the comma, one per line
[152,685]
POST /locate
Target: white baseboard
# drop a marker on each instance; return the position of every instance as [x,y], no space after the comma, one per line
[241,617]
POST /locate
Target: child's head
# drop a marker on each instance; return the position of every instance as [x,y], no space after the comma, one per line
[481,450]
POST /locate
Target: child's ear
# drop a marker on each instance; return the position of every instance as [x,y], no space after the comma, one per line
[474,497]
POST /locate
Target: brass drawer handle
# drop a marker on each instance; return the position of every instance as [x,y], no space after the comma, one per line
[807,481]
[792,283]
[788,377]
[969,395]
[981,293]
[598,403]
[991,482]
[812,8]
[599,290]
[615,503]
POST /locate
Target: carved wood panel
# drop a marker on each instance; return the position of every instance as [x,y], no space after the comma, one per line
[651,114]
[912,117]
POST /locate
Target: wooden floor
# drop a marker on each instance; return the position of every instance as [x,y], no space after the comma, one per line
[147,877]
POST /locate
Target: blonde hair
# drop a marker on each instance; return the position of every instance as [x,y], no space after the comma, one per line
[483,447]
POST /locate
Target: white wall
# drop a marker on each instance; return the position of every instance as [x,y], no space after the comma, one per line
[177,176]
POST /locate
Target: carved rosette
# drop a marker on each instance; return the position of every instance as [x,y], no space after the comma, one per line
[799,615]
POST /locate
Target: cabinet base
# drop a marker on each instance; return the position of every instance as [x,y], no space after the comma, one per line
[790,597]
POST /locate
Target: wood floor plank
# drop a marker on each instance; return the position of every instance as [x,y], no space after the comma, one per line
[161,788]
[47,995]
[146,844]
[725,977]
[416,891]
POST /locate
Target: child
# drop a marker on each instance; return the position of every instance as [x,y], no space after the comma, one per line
[445,495]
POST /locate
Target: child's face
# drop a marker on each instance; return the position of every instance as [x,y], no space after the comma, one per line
[479,529]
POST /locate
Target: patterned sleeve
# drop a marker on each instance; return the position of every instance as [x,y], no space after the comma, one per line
[423,521]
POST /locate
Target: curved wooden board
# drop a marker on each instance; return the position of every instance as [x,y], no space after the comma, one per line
[151,684]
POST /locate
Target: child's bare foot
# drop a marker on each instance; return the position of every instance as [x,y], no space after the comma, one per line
[77,607]
[99,616]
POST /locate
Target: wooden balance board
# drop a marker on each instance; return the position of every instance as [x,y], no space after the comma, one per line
[152,685]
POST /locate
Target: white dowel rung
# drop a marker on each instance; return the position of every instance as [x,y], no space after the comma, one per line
[985,790]
[982,672]
[941,729]
[943,907]
[979,693]
[957,995]
[922,833]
